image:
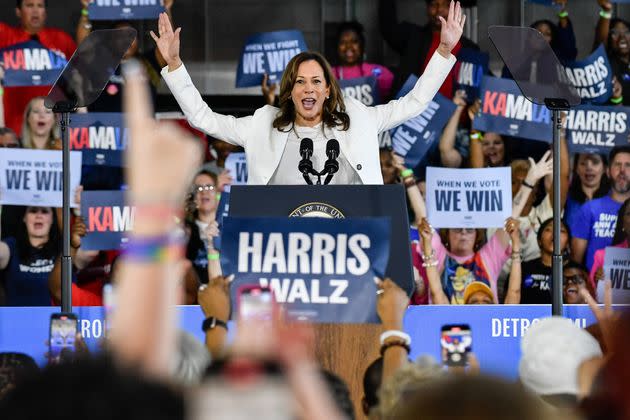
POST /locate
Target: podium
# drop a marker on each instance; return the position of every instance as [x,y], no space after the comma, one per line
[345,349]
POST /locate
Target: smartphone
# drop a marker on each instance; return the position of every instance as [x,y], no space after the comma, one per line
[255,303]
[456,342]
[63,332]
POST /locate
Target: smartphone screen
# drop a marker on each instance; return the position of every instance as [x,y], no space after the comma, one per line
[255,303]
[456,342]
[63,331]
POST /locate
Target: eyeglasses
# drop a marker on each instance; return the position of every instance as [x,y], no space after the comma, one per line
[463,230]
[617,33]
[206,187]
[576,279]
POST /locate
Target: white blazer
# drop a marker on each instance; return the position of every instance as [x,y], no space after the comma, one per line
[264,144]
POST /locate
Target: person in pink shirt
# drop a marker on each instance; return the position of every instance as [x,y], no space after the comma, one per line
[620,240]
[350,54]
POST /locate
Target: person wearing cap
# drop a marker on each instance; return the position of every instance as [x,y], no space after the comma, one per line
[552,352]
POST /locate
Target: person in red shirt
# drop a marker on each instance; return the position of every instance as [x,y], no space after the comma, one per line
[32,16]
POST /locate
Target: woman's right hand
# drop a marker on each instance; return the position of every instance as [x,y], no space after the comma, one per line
[425,230]
[474,109]
[540,169]
[168,42]
[605,5]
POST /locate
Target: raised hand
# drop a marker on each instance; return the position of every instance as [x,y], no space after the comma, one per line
[425,230]
[605,5]
[391,304]
[459,98]
[540,169]
[268,91]
[168,42]
[79,230]
[512,228]
[452,28]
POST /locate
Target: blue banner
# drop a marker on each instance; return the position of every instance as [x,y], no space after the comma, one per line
[107,219]
[267,52]
[592,77]
[125,9]
[322,270]
[550,3]
[363,89]
[505,111]
[101,136]
[31,64]
[223,210]
[496,329]
[473,65]
[413,139]
[596,129]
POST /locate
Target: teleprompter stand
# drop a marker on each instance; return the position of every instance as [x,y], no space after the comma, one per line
[542,80]
[79,85]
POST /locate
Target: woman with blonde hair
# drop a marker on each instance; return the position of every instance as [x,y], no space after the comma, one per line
[40,129]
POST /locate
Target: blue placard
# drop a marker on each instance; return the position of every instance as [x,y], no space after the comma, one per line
[473,65]
[363,89]
[592,77]
[107,219]
[549,3]
[267,52]
[413,138]
[496,329]
[223,210]
[322,269]
[31,64]
[101,136]
[597,129]
[505,111]
[125,9]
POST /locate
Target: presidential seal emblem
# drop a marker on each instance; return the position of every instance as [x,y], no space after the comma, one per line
[316,209]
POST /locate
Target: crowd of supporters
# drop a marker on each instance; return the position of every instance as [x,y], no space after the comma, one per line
[511,265]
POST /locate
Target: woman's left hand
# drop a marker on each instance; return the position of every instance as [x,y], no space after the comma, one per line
[452,28]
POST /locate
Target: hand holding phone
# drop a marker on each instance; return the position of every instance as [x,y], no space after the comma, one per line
[456,342]
[62,339]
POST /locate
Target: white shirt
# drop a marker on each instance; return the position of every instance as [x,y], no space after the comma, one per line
[287,171]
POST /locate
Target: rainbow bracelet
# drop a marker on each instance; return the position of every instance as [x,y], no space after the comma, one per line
[154,249]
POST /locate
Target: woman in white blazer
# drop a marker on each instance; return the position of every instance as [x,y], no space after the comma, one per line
[311,105]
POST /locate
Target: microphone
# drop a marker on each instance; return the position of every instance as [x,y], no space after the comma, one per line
[331,166]
[306,166]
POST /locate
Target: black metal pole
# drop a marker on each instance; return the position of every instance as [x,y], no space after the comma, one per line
[66,259]
[556,288]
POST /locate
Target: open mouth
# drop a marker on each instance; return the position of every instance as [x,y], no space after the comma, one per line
[623,44]
[572,291]
[38,225]
[308,104]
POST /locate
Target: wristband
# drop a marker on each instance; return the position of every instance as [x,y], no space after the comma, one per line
[85,12]
[155,249]
[391,344]
[616,101]
[528,185]
[406,172]
[1,91]
[214,256]
[211,323]
[476,136]
[563,14]
[406,338]
[430,263]
[604,14]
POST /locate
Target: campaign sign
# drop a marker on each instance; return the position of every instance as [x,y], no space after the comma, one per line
[473,198]
[413,139]
[107,220]
[236,164]
[322,270]
[506,111]
[617,270]
[125,9]
[35,177]
[101,136]
[592,77]
[496,329]
[222,211]
[549,3]
[596,129]
[267,52]
[31,64]
[472,65]
[363,89]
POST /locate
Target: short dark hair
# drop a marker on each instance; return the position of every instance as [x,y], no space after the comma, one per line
[18,3]
[572,264]
[14,369]
[352,26]
[544,224]
[372,379]
[616,150]
[93,385]
[339,392]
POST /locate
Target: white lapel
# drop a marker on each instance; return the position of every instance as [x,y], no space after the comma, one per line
[277,143]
